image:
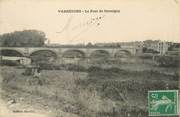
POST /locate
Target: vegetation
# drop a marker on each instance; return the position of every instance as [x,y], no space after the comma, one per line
[146,50]
[92,92]
[168,61]
[174,46]
[25,38]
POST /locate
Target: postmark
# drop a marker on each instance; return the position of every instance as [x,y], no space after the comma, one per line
[163,102]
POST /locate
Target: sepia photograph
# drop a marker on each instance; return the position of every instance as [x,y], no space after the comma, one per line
[89,58]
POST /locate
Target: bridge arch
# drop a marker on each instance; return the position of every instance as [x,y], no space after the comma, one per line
[122,54]
[99,54]
[11,52]
[73,53]
[44,55]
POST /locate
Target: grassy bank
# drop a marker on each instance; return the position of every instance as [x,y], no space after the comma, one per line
[94,92]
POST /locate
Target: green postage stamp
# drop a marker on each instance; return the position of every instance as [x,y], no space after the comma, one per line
[163,102]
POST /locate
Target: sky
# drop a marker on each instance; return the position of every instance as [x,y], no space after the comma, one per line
[137,20]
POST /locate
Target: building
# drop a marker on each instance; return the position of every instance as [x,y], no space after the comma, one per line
[163,47]
[159,46]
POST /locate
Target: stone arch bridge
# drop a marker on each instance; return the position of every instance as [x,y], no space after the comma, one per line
[61,52]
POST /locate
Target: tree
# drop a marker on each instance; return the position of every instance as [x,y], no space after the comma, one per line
[25,38]
[146,50]
[89,44]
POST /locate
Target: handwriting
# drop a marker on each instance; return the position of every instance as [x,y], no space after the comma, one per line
[81,27]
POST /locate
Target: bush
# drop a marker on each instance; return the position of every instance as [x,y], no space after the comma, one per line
[70,67]
[146,56]
[167,61]
[73,67]
[50,66]
[106,73]
[94,69]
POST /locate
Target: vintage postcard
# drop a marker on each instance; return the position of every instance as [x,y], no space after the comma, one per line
[89,58]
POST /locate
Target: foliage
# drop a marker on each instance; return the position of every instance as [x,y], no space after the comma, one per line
[70,67]
[174,46]
[25,38]
[167,61]
[146,50]
[89,45]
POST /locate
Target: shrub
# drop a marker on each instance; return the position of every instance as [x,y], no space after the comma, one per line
[94,69]
[73,67]
[167,61]
[146,56]
[70,67]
